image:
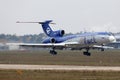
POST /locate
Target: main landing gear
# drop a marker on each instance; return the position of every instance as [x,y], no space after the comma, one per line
[102,49]
[53,52]
[87,53]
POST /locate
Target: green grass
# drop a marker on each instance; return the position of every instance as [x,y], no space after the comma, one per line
[57,75]
[107,58]
[98,58]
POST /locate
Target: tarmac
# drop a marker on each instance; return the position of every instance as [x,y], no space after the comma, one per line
[58,67]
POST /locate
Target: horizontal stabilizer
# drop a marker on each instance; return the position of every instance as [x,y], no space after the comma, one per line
[48,21]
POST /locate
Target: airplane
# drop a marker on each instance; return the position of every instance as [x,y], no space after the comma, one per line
[58,40]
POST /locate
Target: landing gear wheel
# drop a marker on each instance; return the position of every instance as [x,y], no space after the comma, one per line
[87,53]
[102,49]
[53,52]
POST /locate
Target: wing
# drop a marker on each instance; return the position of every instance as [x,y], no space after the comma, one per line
[41,45]
[49,45]
[72,45]
[102,47]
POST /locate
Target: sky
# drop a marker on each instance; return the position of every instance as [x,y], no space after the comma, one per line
[70,15]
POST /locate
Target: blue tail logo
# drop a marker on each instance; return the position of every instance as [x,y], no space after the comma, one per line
[46,28]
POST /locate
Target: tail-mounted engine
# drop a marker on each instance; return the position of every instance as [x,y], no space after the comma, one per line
[58,33]
[52,40]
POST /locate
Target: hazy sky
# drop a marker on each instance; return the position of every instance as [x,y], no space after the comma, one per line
[70,15]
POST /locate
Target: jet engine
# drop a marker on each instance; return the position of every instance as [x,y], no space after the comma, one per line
[52,40]
[58,33]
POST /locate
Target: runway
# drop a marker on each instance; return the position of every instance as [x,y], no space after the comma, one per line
[57,67]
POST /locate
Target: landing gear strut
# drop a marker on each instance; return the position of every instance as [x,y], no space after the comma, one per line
[87,53]
[53,52]
[102,49]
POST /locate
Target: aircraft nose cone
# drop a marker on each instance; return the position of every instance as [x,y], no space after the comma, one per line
[112,39]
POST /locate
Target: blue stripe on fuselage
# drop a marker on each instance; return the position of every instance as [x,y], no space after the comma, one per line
[65,38]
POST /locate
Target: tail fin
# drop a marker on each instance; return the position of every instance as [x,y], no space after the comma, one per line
[46,28]
[45,25]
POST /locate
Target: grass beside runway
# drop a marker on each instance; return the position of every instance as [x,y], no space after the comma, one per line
[58,75]
[98,58]
[107,58]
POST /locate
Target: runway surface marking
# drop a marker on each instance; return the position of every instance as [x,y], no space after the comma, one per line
[58,67]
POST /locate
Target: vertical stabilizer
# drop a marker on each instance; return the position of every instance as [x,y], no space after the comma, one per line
[46,28]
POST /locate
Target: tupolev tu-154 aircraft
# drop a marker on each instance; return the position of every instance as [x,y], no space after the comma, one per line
[57,40]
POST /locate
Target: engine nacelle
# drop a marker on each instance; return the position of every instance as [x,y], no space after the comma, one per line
[52,40]
[59,33]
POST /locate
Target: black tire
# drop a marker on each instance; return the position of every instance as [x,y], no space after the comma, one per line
[87,53]
[53,52]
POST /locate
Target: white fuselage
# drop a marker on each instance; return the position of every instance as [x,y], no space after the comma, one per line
[90,40]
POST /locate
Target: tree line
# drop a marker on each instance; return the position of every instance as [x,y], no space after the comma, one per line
[32,38]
